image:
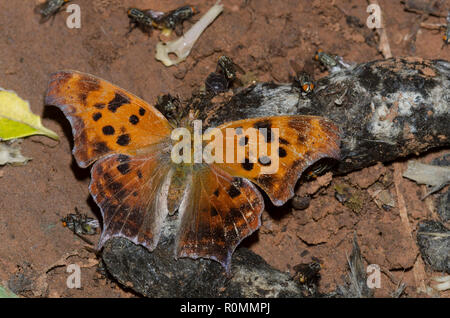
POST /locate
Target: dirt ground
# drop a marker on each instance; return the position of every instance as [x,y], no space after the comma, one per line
[261,36]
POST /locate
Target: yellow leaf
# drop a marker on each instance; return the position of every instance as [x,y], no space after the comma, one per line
[17,120]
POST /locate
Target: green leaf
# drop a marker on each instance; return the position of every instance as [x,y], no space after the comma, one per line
[17,120]
[4,293]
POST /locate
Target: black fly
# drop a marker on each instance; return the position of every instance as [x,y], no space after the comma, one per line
[49,8]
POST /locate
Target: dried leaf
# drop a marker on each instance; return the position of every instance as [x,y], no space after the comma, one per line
[17,120]
[10,154]
[434,176]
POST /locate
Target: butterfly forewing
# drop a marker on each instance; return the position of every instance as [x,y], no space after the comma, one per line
[301,141]
[105,119]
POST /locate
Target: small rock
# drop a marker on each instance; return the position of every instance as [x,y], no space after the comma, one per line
[300,203]
[433,239]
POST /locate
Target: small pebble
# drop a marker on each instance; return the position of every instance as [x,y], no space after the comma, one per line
[300,203]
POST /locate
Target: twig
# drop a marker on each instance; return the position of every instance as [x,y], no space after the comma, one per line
[418,268]
[433,26]
[383,46]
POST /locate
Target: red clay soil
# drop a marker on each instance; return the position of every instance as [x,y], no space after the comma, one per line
[261,36]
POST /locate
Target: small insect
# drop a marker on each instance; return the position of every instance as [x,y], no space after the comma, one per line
[333,63]
[307,273]
[174,19]
[216,83]
[326,59]
[224,76]
[302,78]
[307,276]
[171,107]
[342,194]
[49,8]
[140,19]
[80,224]
[318,169]
[446,36]
[226,66]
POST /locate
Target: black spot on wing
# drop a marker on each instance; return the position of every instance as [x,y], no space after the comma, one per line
[124,168]
[213,211]
[123,140]
[108,130]
[233,191]
[101,147]
[247,165]
[96,116]
[118,101]
[134,119]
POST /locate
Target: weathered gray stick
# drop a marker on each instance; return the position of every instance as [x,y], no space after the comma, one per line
[158,274]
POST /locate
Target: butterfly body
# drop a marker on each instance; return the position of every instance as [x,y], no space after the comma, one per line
[138,179]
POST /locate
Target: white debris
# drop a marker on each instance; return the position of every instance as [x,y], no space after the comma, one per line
[182,46]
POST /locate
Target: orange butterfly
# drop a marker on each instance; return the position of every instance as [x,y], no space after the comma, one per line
[137,185]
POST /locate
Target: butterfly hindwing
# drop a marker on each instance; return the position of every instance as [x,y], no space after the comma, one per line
[220,212]
[131,192]
[105,119]
[302,140]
